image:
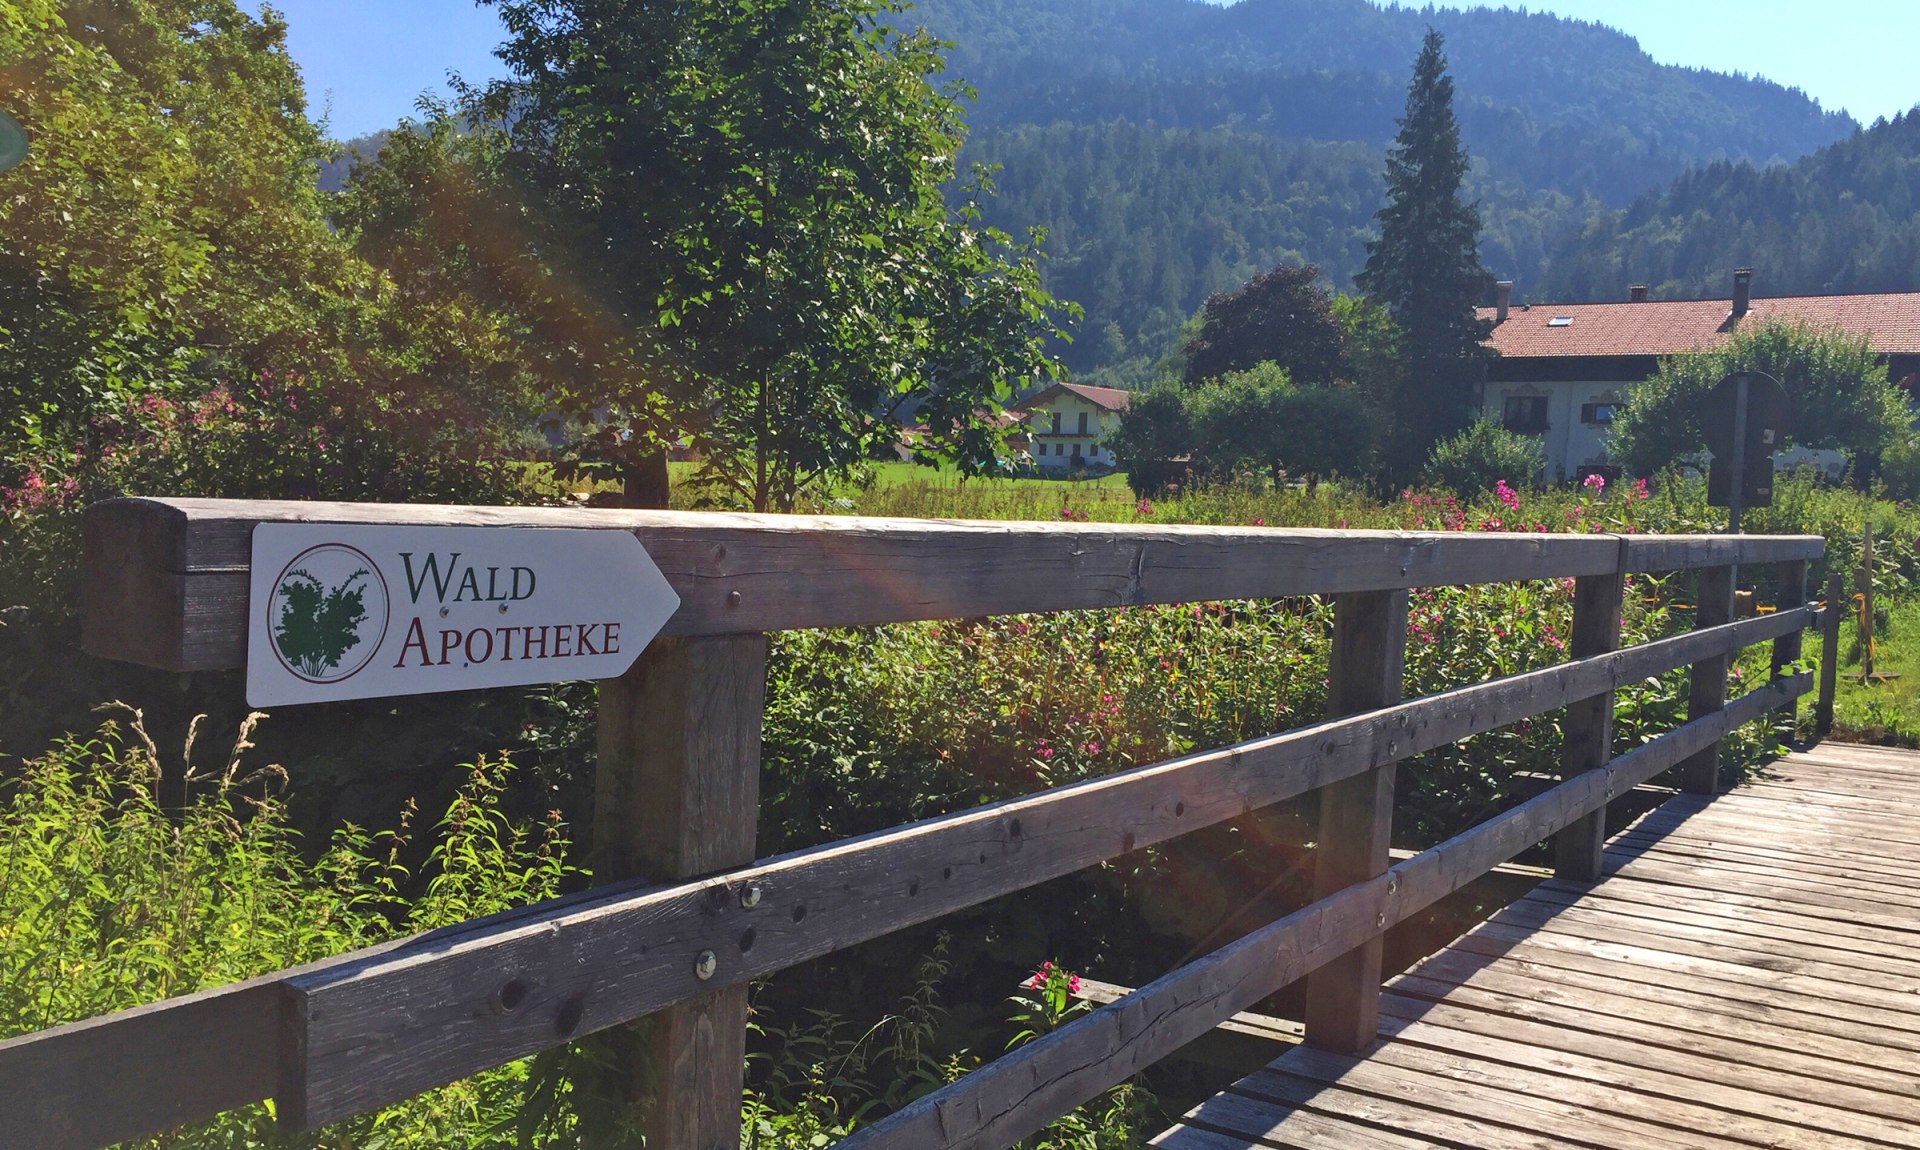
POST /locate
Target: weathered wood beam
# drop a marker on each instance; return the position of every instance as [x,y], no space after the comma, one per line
[166,580]
[1364,672]
[1830,617]
[1707,682]
[1017,1094]
[1587,730]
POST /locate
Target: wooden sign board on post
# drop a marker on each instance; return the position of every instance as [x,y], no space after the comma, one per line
[357,611]
[1744,419]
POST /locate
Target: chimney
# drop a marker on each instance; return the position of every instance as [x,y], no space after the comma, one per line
[1502,297]
[1742,291]
[1637,293]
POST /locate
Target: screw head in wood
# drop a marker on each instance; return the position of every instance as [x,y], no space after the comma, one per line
[733,598]
[705,965]
[750,895]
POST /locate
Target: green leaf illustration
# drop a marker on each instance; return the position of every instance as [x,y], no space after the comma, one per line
[319,625]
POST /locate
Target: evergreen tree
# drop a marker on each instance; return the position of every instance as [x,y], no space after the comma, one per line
[1425,267]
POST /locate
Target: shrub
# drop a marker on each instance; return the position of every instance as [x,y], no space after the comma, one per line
[1838,395]
[1472,462]
[1900,468]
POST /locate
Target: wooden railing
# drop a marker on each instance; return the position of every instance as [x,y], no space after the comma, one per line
[166,585]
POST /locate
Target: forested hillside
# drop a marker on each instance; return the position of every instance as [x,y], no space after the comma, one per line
[1173,147]
[1841,220]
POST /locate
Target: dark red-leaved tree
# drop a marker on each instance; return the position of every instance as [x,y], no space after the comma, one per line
[1284,316]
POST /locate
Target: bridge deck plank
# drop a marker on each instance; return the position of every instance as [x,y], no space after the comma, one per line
[1746,973]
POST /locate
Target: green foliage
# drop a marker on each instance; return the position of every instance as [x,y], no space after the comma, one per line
[1839,220]
[1838,395]
[1484,454]
[1425,267]
[728,221]
[1155,430]
[1900,467]
[1376,357]
[176,317]
[113,898]
[1258,419]
[1284,317]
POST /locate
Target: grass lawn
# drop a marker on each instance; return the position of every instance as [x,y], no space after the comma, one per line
[897,474]
[1886,712]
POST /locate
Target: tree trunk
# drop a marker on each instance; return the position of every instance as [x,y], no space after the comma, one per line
[647,483]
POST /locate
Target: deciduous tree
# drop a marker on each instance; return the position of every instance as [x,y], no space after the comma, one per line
[1284,316]
[738,210]
[1838,396]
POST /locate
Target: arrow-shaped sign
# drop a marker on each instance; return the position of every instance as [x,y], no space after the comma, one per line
[340,611]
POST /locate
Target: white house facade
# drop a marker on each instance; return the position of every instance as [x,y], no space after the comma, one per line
[1563,370]
[1067,426]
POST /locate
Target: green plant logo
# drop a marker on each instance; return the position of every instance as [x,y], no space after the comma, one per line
[328,613]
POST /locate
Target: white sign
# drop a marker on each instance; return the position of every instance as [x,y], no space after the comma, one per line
[340,611]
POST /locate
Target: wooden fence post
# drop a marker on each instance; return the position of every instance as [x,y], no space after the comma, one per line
[1588,725]
[1356,814]
[678,795]
[1864,632]
[1707,683]
[1788,595]
[1829,654]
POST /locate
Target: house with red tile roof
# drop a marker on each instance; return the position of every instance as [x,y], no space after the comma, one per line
[1067,425]
[1563,369]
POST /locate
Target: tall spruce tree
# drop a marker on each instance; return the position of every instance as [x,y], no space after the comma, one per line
[1425,267]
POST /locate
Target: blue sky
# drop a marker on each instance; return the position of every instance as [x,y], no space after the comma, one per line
[366,61]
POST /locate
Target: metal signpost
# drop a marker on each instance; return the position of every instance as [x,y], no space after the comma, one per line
[352,611]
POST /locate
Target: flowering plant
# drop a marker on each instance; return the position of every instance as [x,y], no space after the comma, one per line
[1046,1002]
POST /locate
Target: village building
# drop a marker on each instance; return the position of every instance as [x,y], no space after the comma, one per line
[1067,425]
[1562,370]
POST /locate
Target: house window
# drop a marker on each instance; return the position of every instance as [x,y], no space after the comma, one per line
[1056,423]
[1524,414]
[1083,423]
[1598,413]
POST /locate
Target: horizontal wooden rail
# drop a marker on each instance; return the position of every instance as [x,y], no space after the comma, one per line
[1019,1093]
[166,580]
[350,1033]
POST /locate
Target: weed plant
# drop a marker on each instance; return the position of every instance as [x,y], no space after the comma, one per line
[111,897]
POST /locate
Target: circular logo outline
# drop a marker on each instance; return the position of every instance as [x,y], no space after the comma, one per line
[386,623]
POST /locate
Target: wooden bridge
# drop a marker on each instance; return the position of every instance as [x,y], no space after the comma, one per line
[1707,992]
[1746,974]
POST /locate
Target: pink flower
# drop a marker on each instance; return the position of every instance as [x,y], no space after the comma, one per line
[1640,489]
[1144,507]
[1596,483]
[1261,521]
[1509,498]
[1073,984]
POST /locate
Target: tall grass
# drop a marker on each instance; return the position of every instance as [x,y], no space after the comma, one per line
[113,895]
